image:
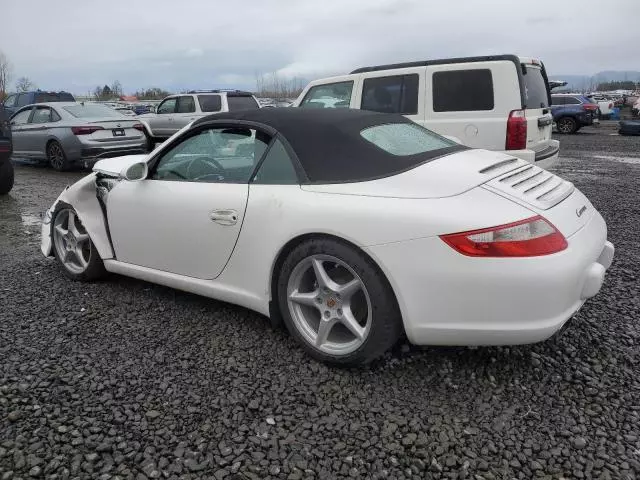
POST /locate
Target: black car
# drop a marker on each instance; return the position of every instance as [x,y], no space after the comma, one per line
[16,101]
[6,148]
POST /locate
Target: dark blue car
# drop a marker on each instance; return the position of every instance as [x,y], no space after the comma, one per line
[18,100]
[572,112]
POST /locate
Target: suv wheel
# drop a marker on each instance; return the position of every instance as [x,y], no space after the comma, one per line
[567,125]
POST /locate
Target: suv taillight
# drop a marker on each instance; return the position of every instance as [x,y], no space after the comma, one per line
[516,131]
[590,106]
[527,238]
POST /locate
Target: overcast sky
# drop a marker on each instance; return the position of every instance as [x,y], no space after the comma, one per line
[78,44]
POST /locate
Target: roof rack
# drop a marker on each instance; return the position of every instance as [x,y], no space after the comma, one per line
[443,61]
[221,90]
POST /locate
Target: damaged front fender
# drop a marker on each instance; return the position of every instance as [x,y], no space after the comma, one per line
[82,196]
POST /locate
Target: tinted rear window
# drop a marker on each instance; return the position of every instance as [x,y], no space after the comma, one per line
[210,103]
[394,94]
[241,103]
[463,91]
[42,97]
[535,88]
[92,111]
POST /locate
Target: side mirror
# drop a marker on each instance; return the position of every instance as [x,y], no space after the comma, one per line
[135,173]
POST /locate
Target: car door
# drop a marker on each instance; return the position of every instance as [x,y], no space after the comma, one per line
[185,113]
[18,122]
[185,217]
[36,132]
[161,123]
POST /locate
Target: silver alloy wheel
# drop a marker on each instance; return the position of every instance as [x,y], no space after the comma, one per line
[56,156]
[71,241]
[329,304]
[565,125]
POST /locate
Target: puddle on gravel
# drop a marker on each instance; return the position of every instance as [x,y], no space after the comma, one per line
[631,160]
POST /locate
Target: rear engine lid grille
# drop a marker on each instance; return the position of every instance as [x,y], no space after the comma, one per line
[533,185]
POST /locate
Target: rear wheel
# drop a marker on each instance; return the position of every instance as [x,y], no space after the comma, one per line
[73,247]
[56,156]
[337,304]
[6,177]
[567,125]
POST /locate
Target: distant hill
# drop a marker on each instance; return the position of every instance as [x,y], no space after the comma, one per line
[586,82]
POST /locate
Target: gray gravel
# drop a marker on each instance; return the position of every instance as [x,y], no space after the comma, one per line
[124,379]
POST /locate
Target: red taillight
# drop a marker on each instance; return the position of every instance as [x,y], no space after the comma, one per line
[610,105]
[527,238]
[86,130]
[4,148]
[590,106]
[516,130]
[139,126]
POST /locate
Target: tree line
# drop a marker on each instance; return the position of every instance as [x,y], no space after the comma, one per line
[620,85]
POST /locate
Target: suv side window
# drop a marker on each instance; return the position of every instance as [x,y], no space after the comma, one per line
[394,94]
[328,95]
[557,100]
[23,99]
[168,106]
[572,101]
[463,91]
[213,155]
[210,103]
[277,167]
[186,104]
[10,101]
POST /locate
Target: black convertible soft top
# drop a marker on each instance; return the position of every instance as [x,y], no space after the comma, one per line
[328,143]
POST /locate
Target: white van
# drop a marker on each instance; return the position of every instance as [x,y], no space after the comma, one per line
[498,102]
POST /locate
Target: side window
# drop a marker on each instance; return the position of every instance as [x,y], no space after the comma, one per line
[21,118]
[572,101]
[463,91]
[214,155]
[395,94]
[22,100]
[10,101]
[277,167]
[41,115]
[54,116]
[186,105]
[168,106]
[210,103]
[330,95]
[557,101]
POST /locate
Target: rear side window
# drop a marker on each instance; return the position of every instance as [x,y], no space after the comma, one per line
[463,91]
[403,139]
[43,97]
[210,103]
[395,94]
[571,101]
[23,99]
[536,93]
[241,103]
[186,105]
[276,168]
[557,101]
[330,95]
[41,115]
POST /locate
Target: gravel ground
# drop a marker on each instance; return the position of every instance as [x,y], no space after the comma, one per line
[124,379]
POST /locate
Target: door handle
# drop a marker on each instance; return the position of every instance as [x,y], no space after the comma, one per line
[224,217]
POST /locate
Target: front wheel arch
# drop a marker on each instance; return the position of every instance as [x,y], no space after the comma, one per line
[275,314]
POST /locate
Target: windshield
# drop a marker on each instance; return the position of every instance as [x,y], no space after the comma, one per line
[403,139]
[535,88]
[92,111]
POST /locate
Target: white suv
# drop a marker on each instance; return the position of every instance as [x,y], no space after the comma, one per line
[496,102]
[178,111]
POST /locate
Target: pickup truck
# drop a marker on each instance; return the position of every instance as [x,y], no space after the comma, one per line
[604,104]
[177,111]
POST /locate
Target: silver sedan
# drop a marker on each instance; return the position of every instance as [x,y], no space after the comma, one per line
[74,133]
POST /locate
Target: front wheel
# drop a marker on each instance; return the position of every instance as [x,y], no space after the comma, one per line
[337,304]
[73,247]
[6,177]
[567,125]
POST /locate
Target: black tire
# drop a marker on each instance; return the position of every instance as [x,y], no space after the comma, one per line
[6,177]
[386,326]
[95,268]
[56,157]
[567,125]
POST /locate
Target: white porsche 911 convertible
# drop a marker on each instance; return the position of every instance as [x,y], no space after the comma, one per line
[352,227]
